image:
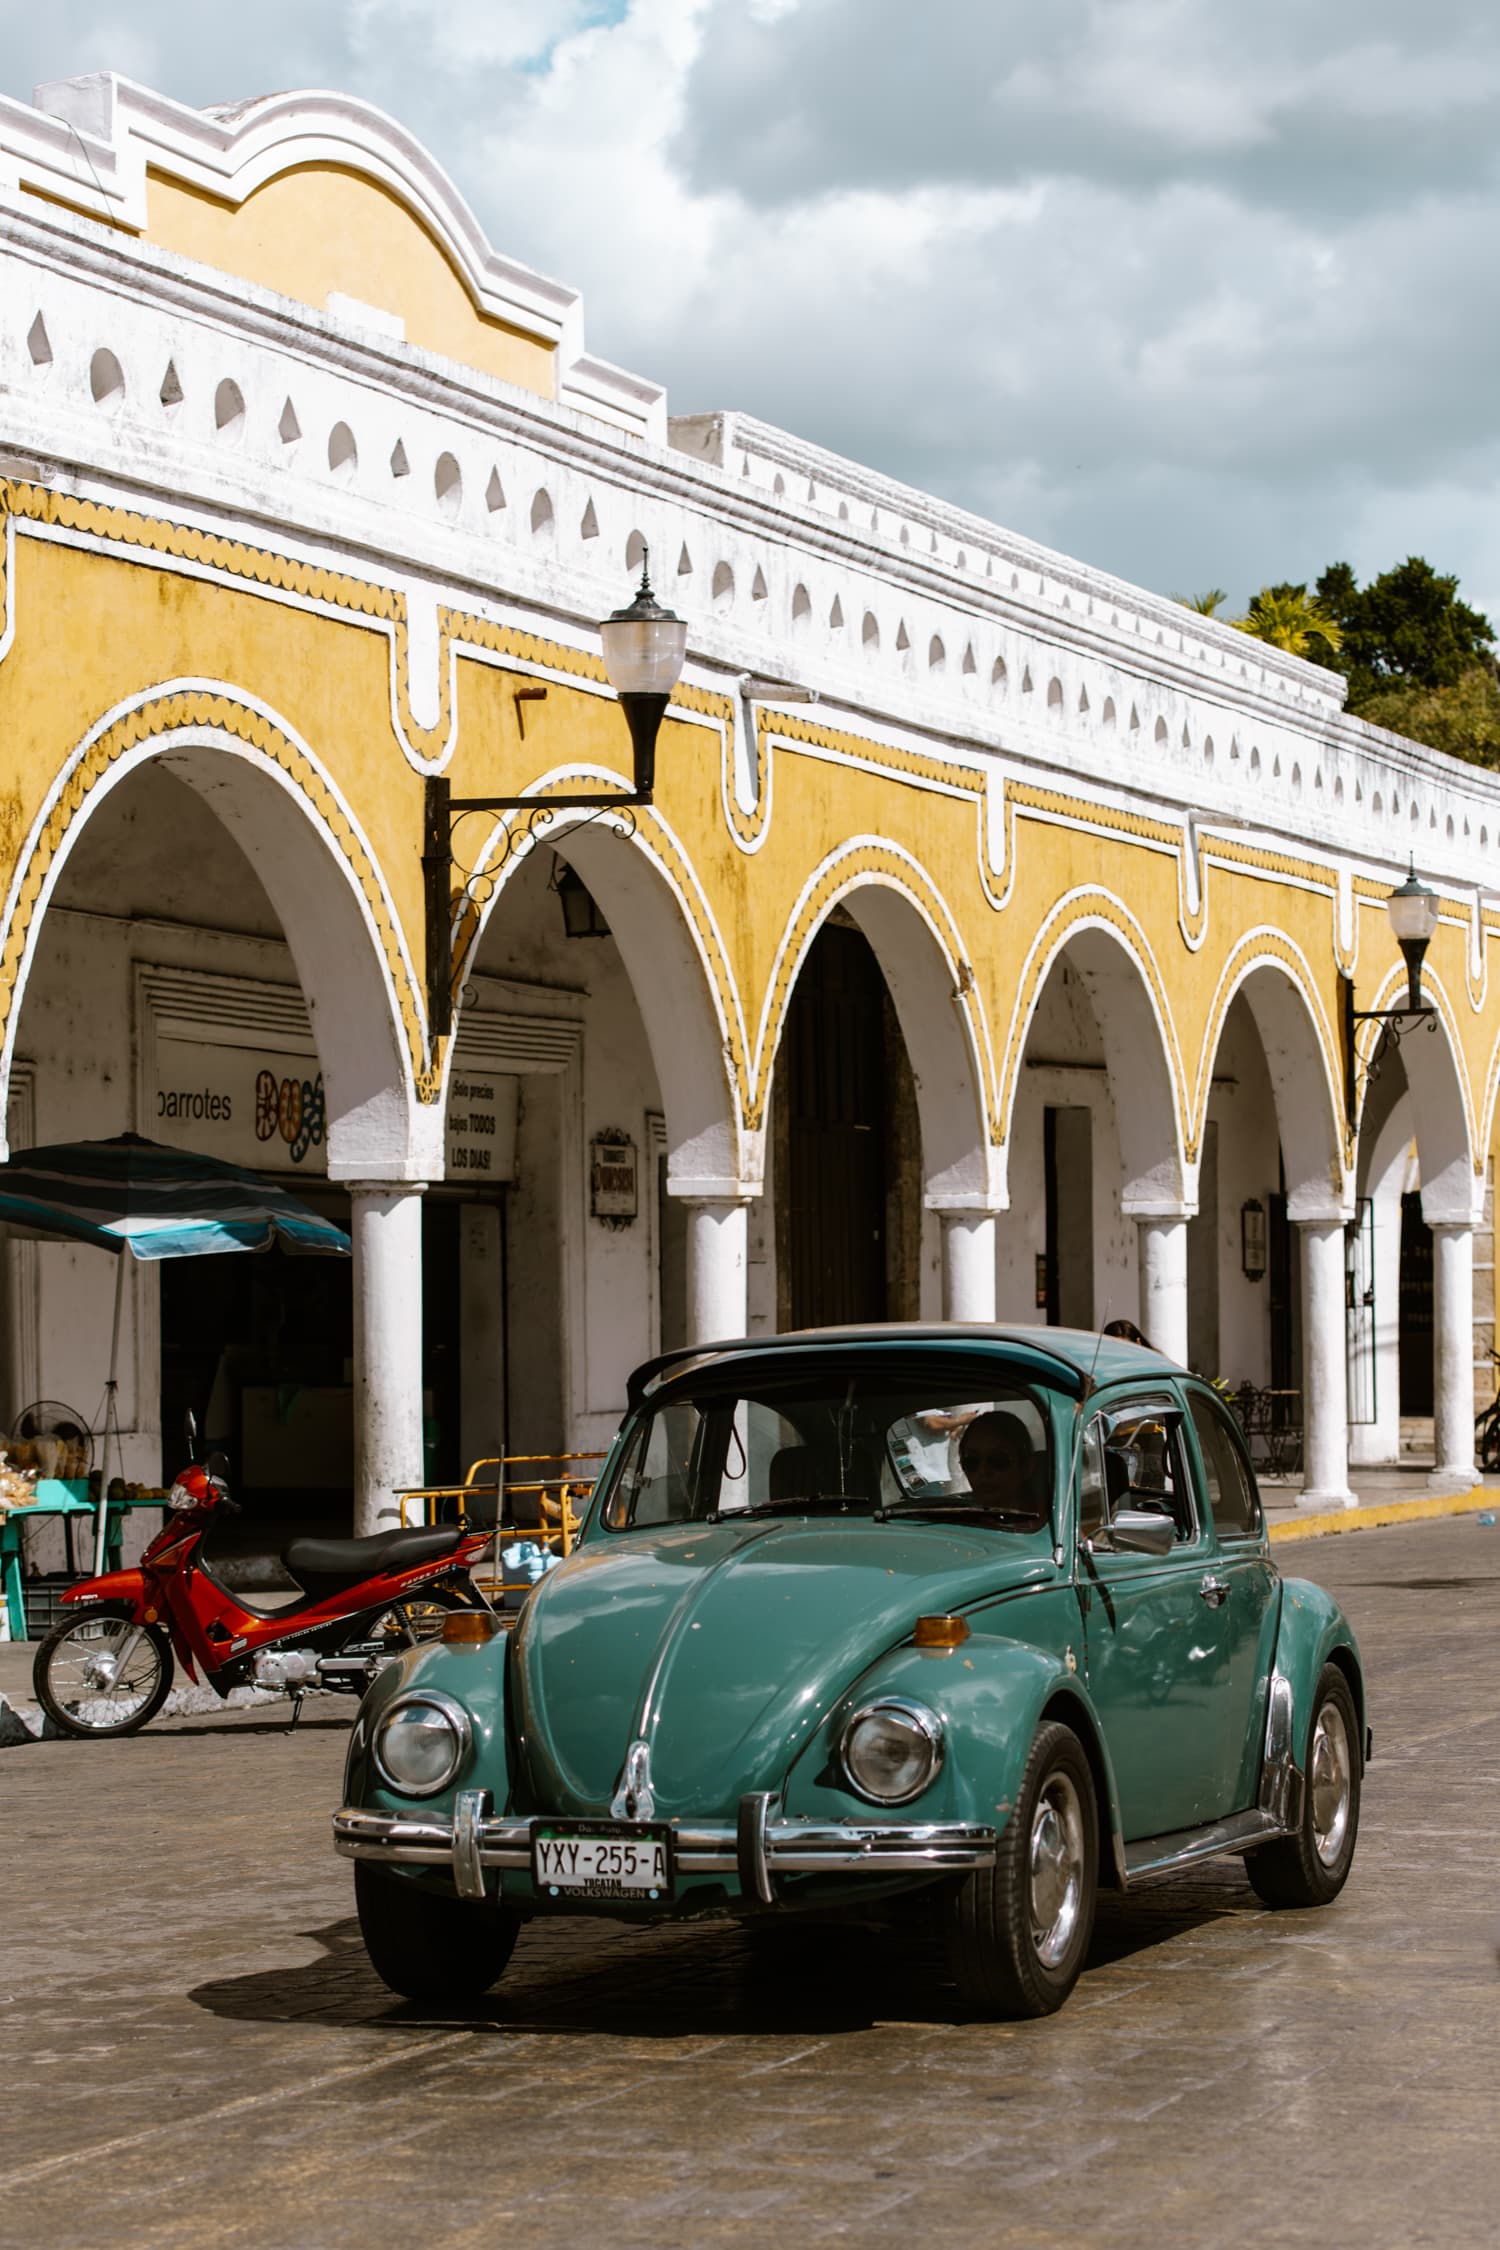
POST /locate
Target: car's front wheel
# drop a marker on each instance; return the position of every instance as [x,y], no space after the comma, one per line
[427,1946]
[1310,1867]
[1019,1932]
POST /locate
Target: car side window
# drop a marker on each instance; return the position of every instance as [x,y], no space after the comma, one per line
[1233,1501]
[1145,1467]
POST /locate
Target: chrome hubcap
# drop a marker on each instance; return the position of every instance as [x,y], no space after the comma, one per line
[1056,1869]
[1331,1780]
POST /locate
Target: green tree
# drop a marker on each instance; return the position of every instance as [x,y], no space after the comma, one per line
[1289,617]
[1463,719]
[1406,625]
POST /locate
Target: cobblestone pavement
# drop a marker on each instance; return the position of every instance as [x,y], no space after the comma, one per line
[197,2053]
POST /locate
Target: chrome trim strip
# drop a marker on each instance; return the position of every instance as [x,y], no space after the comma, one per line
[792,1847]
[1241,1832]
[470,1808]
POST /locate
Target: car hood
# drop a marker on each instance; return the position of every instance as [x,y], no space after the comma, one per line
[724,1646]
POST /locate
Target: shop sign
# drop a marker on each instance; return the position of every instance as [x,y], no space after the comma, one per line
[481,1138]
[247,1105]
[612,1178]
[266,1109]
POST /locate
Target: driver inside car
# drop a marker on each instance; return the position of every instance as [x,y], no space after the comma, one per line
[996,1454]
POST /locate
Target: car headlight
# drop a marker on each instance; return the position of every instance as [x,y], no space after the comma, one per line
[891,1750]
[420,1743]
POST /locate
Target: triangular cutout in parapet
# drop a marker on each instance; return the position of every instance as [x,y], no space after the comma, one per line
[494,493]
[39,343]
[400,465]
[289,429]
[589,528]
[171,393]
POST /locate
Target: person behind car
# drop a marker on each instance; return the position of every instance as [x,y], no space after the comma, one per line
[997,1456]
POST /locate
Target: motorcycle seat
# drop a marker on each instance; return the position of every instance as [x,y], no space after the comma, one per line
[350,1560]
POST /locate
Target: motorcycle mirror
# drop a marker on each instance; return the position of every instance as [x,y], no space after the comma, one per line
[190,1434]
[217,1464]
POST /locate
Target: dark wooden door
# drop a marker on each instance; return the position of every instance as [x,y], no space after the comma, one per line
[837,1104]
[1414,1353]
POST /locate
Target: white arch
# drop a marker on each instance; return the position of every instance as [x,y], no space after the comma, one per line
[1452,1191]
[1279,992]
[693,1027]
[376,1127]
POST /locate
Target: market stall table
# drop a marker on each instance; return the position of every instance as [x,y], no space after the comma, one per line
[58,1496]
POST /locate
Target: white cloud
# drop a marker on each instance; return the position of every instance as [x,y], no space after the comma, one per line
[1200,294]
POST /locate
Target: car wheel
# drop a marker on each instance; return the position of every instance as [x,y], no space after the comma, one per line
[1312,1866]
[97,1673]
[1019,1931]
[427,1946]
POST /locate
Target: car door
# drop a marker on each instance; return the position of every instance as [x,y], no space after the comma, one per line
[1252,1598]
[1155,1636]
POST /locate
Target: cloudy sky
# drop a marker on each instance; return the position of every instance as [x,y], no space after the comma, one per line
[1202,293]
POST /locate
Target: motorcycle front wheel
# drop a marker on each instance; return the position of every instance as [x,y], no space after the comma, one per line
[96,1674]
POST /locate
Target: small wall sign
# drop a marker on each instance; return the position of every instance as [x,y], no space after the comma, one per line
[613,1184]
[1253,1239]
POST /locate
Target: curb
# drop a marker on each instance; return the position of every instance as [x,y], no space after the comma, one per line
[1381,1513]
[25,1722]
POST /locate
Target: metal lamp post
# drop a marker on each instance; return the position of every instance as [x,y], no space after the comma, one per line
[1413,914]
[644,647]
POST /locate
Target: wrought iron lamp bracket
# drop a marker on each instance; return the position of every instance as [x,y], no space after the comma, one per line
[448,908]
[1398,1023]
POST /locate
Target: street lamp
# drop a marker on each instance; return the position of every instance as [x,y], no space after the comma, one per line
[1413,914]
[644,646]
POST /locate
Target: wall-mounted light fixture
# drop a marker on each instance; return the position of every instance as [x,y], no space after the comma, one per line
[1413,914]
[644,647]
[580,911]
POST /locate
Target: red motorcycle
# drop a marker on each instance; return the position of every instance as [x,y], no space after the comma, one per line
[345,1608]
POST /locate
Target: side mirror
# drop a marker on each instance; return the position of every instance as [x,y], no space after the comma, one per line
[1141,1531]
[190,1434]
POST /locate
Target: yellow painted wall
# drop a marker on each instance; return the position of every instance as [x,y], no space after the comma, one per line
[318,227]
[95,629]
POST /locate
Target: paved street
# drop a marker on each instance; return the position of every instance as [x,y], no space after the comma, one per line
[196,2052]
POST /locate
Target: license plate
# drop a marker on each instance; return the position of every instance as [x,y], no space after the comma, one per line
[595,1860]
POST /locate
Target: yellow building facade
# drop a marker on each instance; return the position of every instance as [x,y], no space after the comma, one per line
[308,495]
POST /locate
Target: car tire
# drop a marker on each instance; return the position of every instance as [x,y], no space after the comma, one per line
[1310,1867]
[1019,1932]
[427,1946]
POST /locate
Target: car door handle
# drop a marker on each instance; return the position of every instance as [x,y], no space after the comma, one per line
[1215,1591]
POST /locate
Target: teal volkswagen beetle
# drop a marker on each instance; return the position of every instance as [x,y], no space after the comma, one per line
[984,1613]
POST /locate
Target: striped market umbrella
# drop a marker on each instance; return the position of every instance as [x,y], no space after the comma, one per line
[156,1202]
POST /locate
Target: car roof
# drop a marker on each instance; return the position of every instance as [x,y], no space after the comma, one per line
[1088,1358]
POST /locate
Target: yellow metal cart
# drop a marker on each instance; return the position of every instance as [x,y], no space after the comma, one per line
[544,1509]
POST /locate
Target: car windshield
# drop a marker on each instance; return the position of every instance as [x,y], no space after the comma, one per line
[878,1441]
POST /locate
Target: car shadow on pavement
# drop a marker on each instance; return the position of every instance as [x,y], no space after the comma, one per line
[589,1977]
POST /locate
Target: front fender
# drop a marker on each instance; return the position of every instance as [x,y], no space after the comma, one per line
[991,1694]
[473,1674]
[128,1586]
[1313,1631]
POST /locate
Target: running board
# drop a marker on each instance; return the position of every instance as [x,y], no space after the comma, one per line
[1240,1833]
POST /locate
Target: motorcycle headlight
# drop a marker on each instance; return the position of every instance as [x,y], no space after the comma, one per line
[420,1743]
[891,1750]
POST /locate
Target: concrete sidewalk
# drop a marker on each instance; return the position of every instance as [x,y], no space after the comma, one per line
[1398,1494]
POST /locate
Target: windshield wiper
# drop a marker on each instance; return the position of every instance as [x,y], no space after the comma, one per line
[808,1502]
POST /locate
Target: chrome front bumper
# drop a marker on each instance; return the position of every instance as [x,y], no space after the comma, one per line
[756,1848]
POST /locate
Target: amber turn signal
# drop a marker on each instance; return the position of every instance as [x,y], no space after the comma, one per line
[940,1632]
[470,1625]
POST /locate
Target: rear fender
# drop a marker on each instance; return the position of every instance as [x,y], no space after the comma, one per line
[1314,1632]
[991,1695]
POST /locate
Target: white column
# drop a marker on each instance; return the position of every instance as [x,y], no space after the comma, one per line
[1453,1356]
[717,1310]
[968,1265]
[1325,1366]
[1164,1303]
[386,1227]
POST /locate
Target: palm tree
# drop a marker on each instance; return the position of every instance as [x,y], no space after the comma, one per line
[1289,617]
[1203,605]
